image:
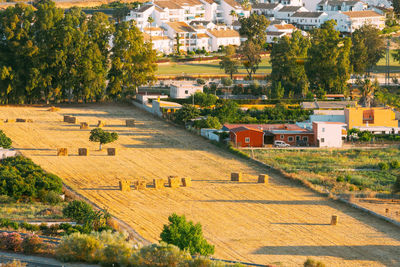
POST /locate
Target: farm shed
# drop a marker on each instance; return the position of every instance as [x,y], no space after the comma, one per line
[247,137]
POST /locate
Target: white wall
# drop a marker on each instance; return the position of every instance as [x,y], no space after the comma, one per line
[329,135]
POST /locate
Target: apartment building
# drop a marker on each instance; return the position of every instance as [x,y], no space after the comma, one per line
[352,20]
[227,6]
[334,6]
[308,20]
[223,36]
[141,15]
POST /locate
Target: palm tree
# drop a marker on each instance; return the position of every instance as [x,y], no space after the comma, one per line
[367,89]
[150,20]
[233,14]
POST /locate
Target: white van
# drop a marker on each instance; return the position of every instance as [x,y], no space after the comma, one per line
[278,143]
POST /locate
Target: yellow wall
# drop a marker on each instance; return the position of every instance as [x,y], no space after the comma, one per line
[384,117]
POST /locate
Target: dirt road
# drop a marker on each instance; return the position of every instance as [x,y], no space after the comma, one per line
[281,223]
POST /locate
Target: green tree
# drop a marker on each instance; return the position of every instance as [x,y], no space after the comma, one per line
[228,63]
[103,137]
[287,60]
[209,122]
[120,13]
[132,61]
[226,81]
[396,186]
[396,7]
[358,55]
[374,44]
[254,28]
[228,111]
[328,65]
[205,100]
[367,90]
[277,90]
[186,235]
[250,57]
[77,210]
[186,113]
[5,141]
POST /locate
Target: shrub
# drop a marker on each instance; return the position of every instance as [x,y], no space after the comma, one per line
[201,81]
[395,164]
[4,199]
[29,227]
[185,235]
[3,238]
[32,244]
[383,166]
[117,254]
[78,211]
[396,186]
[51,197]
[14,263]
[340,179]
[313,263]
[13,242]
[5,141]
[162,255]
[78,247]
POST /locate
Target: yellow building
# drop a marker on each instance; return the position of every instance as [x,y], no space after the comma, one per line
[370,117]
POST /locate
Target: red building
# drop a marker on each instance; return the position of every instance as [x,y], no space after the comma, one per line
[247,137]
[294,138]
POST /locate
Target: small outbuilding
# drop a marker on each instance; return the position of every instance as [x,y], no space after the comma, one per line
[247,137]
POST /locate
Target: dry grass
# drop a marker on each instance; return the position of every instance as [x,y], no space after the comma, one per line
[280,222]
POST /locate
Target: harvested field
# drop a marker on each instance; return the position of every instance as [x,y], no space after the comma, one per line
[281,223]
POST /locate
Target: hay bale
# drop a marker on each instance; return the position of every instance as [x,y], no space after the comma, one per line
[66,118]
[187,182]
[387,210]
[173,182]
[84,125]
[158,183]
[140,184]
[111,151]
[263,179]
[83,151]
[130,123]
[237,177]
[334,220]
[10,120]
[62,151]
[100,124]
[21,120]
[72,120]
[29,120]
[54,109]
[124,185]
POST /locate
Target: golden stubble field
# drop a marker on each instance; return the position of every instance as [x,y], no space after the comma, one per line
[282,223]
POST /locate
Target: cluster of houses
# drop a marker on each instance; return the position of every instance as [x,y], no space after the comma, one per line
[209,24]
[325,128]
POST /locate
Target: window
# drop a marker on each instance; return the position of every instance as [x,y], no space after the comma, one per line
[323,130]
[186,92]
[305,138]
[297,137]
[322,140]
[247,140]
[282,137]
[290,139]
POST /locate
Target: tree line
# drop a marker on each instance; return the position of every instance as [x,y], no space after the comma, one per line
[48,54]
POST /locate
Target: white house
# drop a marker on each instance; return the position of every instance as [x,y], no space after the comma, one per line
[266,9]
[161,43]
[212,11]
[141,15]
[223,36]
[187,35]
[205,23]
[287,11]
[334,6]
[228,6]
[308,20]
[274,36]
[328,134]
[286,28]
[352,20]
[285,2]
[184,89]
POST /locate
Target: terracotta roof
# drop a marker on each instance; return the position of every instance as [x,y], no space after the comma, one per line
[209,1]
[180,27]
[153,29]
[143,8]
[276,33]
[285,27]
[224,33]
[233,3]
[202,35]
[167,4]
[362,14]
[243,128]
[266,127]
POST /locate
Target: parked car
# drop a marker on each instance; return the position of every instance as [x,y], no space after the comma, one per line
[281,144]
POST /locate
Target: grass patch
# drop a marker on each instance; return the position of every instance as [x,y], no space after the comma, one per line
[337,170]
[30,211]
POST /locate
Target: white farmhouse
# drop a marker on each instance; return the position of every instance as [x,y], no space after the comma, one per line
[287,11]
[181,90]
[223,37]
[308,20]
[328,134]
[266,9]
[334,6]
[352,20]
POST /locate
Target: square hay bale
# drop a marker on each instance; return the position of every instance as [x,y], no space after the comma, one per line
[84,125]
[83,151]
[130,123]
[236,176]
[334,220]
[187,182]
[10,120]
[29,120]
[140,184]
[21,120]
[159,183]
[54,109]
[262,179]
[72,120]
[111,151]
[62,151]
[66,118]
[100,124]
[124,185]
[174,182]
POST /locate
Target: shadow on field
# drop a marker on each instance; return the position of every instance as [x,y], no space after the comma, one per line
[101,188]
[386,254]
[272,202]
[302,223]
